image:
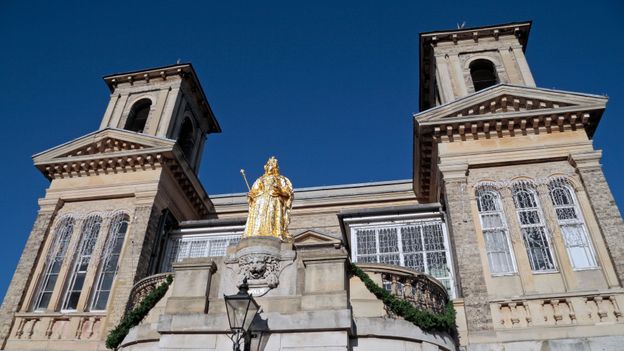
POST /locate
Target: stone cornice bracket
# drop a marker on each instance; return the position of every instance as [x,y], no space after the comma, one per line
[453,171]
[586,161]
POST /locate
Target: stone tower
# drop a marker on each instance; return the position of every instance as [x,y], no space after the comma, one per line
[531,217]
[112,195]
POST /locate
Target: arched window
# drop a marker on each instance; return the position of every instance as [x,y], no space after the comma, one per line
[54,261]
[495,231]
[186,139]
[110,261]
[483,74]
[138,116]
[82,257]
[572,224]
[534,232]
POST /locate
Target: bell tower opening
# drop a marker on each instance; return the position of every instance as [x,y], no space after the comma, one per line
[138,116]
[187,139]
[483,74]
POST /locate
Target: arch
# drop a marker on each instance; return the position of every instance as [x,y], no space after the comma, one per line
[483,74]
[137,118]
[186,139]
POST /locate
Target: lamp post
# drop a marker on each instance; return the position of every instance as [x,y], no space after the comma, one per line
[241,310]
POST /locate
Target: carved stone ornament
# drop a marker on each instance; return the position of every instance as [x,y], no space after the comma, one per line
[258,269]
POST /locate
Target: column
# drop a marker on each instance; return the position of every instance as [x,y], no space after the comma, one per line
[470,272]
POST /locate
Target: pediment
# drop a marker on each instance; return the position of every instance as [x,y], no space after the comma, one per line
[310,238]
[510,101]
[106,143]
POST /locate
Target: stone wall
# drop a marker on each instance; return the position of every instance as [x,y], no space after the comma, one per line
[24,272]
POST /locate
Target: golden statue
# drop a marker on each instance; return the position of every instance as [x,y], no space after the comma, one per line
[270,200]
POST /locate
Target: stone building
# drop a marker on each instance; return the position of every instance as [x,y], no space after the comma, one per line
[508,214]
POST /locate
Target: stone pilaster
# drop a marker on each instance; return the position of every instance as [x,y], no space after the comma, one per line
[135,260]
[25,268]
[470,273]
[603,204]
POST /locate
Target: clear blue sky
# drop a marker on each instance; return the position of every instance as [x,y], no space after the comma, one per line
[328,87]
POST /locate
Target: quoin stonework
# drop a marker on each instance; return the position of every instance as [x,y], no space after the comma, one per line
[508,219]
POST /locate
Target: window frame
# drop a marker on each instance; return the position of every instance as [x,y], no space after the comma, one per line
[48,264]
[79,258]
[111,239]
[531,188]
[565,184]
[173,240]
[505,229]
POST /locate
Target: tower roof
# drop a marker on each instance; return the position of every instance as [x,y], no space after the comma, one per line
[428,40]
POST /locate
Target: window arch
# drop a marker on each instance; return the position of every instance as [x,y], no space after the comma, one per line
[110,261]
[572,224]
[534,232]
[54,261]
[186,139]
[483,74]
[138,116]
[495,231]
[82,257]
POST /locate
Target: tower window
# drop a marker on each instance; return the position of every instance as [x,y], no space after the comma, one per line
[483,74]
[187,139]
[138,116]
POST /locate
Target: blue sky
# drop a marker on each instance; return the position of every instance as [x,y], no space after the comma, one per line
[328,87]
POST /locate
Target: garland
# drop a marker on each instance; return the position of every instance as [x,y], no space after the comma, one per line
[423,319]
[134,317]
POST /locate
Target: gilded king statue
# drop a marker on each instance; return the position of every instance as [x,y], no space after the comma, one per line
[270,200]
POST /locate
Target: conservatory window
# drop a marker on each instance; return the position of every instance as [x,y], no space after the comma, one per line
[495,232]
[534,233]
[421,246]
[89,235]
[182,247]
[110,261]
[53,263]
[572,225]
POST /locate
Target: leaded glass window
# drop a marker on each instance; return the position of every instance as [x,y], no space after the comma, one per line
[88,238]
[110,261]
[421,246]
[534,233]
[182,247]
[54,261]
[572,225]
[495,231]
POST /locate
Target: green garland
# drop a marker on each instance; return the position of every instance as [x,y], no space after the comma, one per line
[425,320]
[134,317]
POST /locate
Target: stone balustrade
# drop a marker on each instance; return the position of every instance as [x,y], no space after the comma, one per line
[145,286]
[420,289]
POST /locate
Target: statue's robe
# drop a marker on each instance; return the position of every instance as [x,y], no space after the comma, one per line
[270,200]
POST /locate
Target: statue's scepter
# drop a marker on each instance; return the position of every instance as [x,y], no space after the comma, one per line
[245,178]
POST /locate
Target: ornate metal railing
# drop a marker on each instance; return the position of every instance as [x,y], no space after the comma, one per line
[420,289]
[144,286]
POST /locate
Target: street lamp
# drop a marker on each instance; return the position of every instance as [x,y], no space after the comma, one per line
[241,310]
